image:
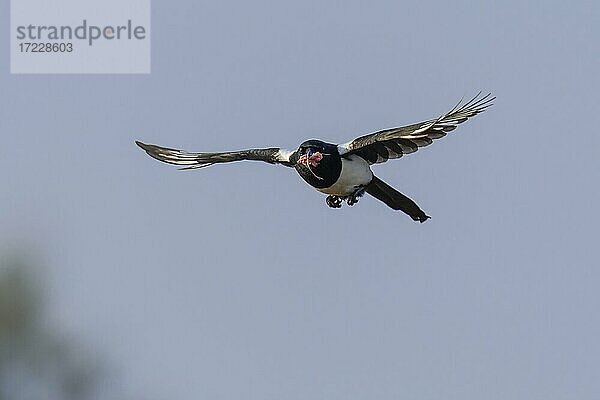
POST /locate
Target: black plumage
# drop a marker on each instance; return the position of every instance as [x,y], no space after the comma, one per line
[342,171]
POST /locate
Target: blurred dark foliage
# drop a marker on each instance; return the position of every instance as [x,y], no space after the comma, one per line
[37,361]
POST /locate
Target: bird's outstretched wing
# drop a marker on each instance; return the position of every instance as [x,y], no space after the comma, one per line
[273,155]
[381,146]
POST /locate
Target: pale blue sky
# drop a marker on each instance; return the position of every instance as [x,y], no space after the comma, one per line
[238,282]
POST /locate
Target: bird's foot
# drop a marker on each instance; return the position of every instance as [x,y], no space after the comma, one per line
[334,201]
[353,198]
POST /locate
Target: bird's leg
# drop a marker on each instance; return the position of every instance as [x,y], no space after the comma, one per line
[353,198]
[334,201]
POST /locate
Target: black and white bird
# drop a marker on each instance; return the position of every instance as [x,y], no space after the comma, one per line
[343,171]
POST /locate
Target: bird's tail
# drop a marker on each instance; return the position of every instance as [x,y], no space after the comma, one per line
[394,199]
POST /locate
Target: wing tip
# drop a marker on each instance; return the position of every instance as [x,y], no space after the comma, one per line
[153,151]
[481,102]
[143,145]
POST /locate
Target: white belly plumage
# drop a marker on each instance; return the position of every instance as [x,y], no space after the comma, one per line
[355,173]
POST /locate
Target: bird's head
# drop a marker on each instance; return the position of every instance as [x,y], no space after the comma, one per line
[311,152]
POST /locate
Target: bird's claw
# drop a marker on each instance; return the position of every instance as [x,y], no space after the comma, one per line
[334,201]
[353,198]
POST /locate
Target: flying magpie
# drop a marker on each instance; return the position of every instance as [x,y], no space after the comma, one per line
[343,171]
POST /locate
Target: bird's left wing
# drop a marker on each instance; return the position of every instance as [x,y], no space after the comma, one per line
[273,155]
[393,143]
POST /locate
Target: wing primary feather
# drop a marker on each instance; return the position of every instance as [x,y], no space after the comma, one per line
[272,155]
[423,133]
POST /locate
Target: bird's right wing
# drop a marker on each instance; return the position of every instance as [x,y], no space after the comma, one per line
[273,155]
[393,143]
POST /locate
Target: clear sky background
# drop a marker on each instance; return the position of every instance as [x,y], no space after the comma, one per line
[238,282]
